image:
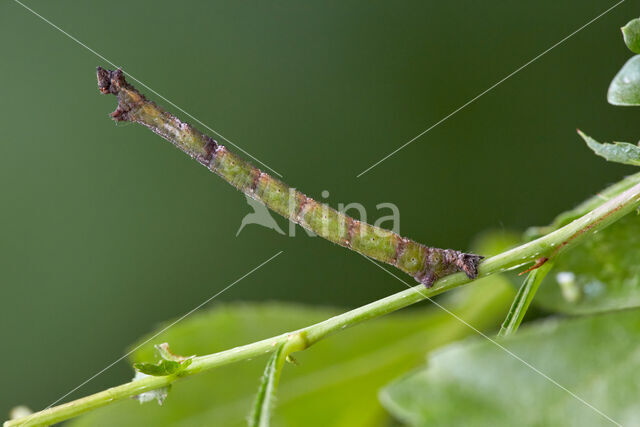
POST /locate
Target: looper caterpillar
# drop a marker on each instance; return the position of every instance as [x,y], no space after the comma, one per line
[425,264]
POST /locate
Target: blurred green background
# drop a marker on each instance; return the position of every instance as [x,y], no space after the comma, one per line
[108,230]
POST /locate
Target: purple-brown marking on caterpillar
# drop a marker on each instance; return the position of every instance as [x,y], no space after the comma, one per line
[104,80]
[256,178]
[400,247]
[210,149]
[220,150]
[350,227]
[301,206]
[111,81]
[469,264]
[426,277]
[446,261]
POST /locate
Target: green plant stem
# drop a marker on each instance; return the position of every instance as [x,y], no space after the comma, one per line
[523,299]
[548,246]
[586,206]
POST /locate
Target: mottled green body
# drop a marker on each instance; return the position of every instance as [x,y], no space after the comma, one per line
[424,263]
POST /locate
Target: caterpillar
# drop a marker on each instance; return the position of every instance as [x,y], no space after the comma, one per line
[426,264]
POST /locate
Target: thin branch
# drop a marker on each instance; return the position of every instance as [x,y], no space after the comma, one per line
[548,246]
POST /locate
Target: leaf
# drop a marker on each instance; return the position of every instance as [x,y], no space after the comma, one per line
[337,379]
[619,152]
[602,273]
[631,35]
[475,383]
[169,363]
[261,413]
[162,368]
[625,87]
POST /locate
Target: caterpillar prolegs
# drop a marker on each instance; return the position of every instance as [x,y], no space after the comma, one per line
[424,263]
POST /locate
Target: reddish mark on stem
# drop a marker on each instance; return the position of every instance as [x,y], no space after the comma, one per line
[585,229]
[538,264]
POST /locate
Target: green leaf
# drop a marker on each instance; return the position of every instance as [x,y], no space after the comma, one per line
[261,413]
[337,379]
[619,152]
[476,383]
[603,273]
[169,363]
[625,86]
[631,35]
[162,368]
